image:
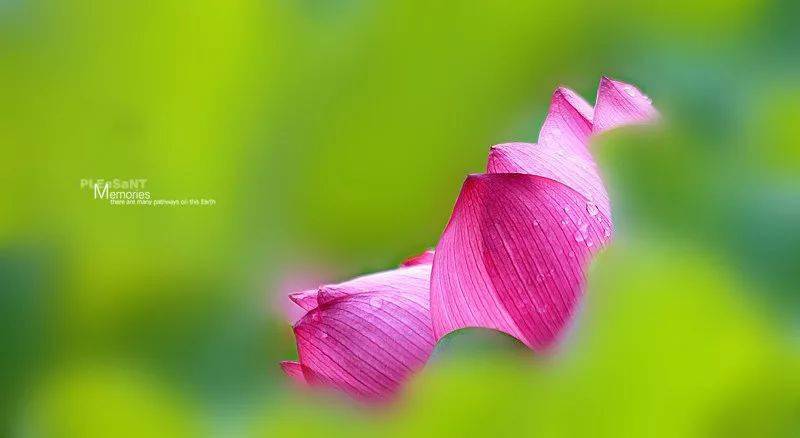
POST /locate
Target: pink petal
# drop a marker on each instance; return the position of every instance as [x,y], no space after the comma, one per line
[424,258]
[369,334]
[568,124]
[513,257]
[619,104]
[294,275]
[293,370]
[562,153]
[306,299]
[551,160]
[310,299]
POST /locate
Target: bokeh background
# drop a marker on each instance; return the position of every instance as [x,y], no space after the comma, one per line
[334,136]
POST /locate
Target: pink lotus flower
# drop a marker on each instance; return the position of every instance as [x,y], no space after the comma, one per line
[512,258]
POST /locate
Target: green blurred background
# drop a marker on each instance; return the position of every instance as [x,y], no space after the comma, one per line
[334,136]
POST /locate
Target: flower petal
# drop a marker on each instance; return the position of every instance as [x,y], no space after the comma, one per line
[293,370]
[551,160]
[562,153]
[306,299]
[424,258]
[368,335]
[568,124]
[513,257]
[619,104]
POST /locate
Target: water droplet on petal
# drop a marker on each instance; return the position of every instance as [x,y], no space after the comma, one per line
[376,302]
[535,223]
[607,233]
[579,237]
[571,254]
[542,308]
[591,209]
[631,92]
[322,335]
[566,209]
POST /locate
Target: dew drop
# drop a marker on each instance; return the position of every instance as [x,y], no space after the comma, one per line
[566,209]
[322,335]
[376,302]
[591,209]
[535,223]
[579,237]
[631,92]
[607,233]
[571,254]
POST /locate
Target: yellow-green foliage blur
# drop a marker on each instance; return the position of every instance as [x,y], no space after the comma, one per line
[333,137]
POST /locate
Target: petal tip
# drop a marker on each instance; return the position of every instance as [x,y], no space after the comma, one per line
[497,151]
[474,179]
[293,370]
[568,112]
[562,92]
[420,259]
[620,103]
[606,81]
[306,299]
